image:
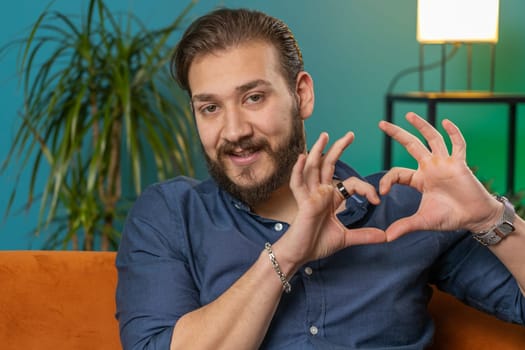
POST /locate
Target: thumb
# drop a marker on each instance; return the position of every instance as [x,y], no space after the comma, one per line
[401,227]
[366,235]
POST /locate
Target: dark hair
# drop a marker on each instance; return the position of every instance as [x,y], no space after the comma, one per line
[224,28]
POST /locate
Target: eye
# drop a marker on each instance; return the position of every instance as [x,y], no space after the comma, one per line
[254,98]
[208,109]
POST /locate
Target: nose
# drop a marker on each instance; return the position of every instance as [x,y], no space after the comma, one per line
[237,125]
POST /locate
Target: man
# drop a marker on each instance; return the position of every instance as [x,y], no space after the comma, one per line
[289,249]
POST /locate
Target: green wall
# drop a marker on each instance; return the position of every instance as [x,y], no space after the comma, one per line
[352,49]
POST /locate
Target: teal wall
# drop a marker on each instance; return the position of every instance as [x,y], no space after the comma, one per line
[352,48]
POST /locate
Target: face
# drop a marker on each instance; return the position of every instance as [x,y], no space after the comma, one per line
[249,122]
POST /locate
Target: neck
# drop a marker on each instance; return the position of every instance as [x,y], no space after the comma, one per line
[281,205]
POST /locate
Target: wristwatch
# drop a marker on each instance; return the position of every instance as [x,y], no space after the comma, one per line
[502,228]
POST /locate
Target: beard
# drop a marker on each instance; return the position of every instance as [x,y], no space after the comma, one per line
[283,159]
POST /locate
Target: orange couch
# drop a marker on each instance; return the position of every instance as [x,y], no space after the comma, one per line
[54,300]
[58,300]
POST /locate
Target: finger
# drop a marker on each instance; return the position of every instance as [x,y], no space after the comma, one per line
[431,135]
[411,143]
[403,226]
[332,156]
[312,167]
[297,184]
[396,175]
[366,235]
[354,185]
[459,146]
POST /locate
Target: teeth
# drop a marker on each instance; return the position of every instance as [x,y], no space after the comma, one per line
[243,153]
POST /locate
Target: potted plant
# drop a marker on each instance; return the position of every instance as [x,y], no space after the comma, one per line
[99,109]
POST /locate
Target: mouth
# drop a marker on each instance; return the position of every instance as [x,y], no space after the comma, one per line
[243,157]
[243,153]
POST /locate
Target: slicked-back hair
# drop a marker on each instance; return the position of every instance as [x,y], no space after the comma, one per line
[226,28]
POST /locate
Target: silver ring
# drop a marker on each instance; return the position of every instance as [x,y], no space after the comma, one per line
[341,188]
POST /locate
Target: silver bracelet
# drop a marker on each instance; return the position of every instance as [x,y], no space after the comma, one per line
[286,285]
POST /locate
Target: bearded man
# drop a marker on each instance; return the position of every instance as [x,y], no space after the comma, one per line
[289,248]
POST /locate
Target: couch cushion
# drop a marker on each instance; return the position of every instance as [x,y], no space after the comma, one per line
[461,327]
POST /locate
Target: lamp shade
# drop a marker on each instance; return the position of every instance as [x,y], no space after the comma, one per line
[452,21]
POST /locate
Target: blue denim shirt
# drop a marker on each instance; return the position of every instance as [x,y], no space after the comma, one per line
[186,242]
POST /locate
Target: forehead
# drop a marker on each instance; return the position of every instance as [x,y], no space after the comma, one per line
[223,70]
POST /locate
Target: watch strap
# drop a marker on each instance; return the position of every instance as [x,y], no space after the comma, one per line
[502,228]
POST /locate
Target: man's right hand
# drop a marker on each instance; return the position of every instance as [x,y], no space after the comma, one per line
[316,232]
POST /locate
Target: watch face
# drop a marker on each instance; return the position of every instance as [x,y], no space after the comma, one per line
[489,238]
[492,239]
[504,229]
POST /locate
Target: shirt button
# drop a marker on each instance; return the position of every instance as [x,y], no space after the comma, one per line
[308,270]
[278,227]
[314,330]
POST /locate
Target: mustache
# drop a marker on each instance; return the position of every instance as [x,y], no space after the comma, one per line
[249,144]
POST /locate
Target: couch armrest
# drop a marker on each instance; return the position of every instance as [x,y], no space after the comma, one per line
[58,300]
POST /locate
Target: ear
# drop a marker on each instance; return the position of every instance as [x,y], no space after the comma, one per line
[304,91]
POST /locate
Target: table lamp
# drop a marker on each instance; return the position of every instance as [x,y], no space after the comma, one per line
[457,22]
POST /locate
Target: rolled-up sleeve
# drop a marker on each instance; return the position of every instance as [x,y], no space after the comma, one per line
[471,273]
[155,287]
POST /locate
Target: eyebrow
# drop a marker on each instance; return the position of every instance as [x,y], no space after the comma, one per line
[240,89]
